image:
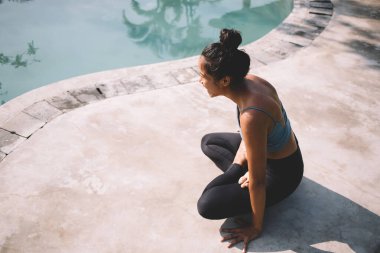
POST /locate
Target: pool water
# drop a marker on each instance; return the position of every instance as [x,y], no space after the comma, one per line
[44,41]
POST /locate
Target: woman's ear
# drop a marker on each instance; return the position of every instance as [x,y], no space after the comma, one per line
[226,81]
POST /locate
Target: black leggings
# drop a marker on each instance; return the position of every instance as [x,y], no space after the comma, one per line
[223,196]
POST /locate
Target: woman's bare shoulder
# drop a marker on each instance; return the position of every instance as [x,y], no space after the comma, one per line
[264,96]
[257,80]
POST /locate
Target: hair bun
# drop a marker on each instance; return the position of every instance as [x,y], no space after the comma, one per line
[230,38]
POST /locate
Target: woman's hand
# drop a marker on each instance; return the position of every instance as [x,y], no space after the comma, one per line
[241,157]
[245,234]
[244,180]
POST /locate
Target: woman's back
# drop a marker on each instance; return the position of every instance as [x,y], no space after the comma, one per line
[262,96]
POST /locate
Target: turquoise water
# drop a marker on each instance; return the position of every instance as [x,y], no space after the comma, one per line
[44,41]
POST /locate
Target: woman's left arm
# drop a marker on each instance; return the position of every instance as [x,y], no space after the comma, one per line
[254,128]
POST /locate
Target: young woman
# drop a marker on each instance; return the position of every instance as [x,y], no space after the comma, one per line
[263,164]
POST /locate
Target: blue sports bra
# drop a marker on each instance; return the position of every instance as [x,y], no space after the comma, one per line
[279,135]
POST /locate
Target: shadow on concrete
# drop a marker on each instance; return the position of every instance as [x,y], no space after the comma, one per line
[362,32]
[361,9]
[367,10]
[367,50]
[315,217]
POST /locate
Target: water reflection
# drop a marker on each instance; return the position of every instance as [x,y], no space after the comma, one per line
[2,93]
[17,60]
[165,30]
[174,28]
[266,15]
[23,59]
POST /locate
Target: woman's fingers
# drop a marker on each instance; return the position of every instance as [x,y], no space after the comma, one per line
[229,237]
[245,235]
[245,184]
[234,242]
[242,179]
[235,235]
[246,242]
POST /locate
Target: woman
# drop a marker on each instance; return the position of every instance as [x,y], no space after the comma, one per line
[262,165]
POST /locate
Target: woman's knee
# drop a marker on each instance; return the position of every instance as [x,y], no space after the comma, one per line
[206,208]
[204,143]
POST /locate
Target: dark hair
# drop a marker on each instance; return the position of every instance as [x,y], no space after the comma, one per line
[225,59]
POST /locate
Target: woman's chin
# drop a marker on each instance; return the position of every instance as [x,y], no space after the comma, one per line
[212,95]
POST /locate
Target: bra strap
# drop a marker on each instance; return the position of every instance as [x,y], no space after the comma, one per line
[260,110]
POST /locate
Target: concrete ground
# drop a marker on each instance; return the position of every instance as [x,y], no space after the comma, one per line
[120,169]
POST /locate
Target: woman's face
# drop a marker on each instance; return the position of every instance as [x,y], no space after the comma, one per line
[212,86]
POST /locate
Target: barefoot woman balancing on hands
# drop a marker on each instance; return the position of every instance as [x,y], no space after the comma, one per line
[262,165]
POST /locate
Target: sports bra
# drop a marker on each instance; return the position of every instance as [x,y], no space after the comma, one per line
[279,135]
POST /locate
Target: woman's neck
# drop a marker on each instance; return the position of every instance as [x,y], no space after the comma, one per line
[238,93]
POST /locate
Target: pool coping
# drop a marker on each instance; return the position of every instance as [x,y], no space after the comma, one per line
[24,115]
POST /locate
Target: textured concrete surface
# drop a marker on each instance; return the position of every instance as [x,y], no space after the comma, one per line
[118,168]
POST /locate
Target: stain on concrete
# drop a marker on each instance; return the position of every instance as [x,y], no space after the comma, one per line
[138,84]
[87,95]
[111,89]
[64,102]
[341,115]
[43,111]
[355,143]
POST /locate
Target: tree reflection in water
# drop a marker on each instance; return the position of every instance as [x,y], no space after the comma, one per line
[261,19]
[165,30]
[17,62]
[173,29]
